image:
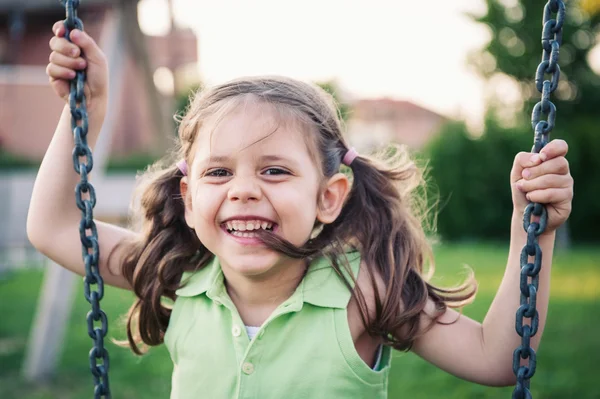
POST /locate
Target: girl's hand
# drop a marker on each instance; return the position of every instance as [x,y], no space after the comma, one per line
[81,53]
[544,178]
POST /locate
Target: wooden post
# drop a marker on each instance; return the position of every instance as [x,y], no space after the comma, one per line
[54,310]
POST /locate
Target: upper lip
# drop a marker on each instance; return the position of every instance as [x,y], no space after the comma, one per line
[248,217]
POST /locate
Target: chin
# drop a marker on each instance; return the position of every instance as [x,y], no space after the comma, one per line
[252,264]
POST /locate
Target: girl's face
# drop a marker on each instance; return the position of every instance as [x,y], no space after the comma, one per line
[253,173]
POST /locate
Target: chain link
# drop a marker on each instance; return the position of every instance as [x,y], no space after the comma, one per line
[85,198]
[535,216]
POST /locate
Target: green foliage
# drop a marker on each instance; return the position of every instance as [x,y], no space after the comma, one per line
[182,100]
[131,163]
[13,162]
[515,49]
[472,176]
[332,88]
[584,160]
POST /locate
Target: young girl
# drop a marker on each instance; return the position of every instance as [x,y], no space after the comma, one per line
[289,279]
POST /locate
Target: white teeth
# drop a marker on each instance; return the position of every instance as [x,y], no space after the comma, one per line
[242,225]
[240,234]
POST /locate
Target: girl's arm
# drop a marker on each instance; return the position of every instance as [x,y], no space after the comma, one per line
[483,352]
[53,218]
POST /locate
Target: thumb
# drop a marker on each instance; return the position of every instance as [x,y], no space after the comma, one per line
[89,47]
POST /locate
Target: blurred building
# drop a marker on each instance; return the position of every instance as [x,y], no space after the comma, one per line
[376,122]
[29,109]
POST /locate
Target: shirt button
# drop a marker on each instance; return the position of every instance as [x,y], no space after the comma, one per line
[217,302]
[236,331]
[248,368]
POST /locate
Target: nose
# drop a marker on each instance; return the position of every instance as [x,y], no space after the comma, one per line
[244,189]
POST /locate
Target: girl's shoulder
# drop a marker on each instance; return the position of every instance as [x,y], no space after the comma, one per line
[370,284]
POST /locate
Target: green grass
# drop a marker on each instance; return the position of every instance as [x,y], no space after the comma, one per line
[567,359]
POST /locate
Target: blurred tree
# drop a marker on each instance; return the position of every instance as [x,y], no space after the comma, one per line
[472,174]
[515,50]
[333,88]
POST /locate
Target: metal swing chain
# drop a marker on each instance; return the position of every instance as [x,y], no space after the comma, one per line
[551,41]
[83,163]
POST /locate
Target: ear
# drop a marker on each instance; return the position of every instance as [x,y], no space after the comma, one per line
[187,201]
[332,198]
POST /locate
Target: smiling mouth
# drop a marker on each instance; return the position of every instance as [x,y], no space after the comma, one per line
[248,228]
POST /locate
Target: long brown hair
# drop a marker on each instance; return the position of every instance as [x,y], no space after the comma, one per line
[382,217]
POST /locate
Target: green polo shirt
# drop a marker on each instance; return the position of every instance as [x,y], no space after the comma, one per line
[304,350]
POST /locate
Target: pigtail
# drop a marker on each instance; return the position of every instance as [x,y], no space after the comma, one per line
[157,259]
[385,216]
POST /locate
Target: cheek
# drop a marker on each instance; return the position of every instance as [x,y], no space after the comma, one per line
[298,210]
[206,204]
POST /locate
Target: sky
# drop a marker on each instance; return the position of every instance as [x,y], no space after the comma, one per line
[407,50]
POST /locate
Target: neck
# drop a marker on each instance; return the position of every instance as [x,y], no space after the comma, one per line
[256,297]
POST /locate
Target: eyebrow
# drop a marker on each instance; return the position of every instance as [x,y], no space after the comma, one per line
[268,158]
[217,159]
[275,158]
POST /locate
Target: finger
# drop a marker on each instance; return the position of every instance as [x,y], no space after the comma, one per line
[67,62]
[550,196]
[544,182]
[522,161]
[59,28]
[65,47]
[88,45]
[554,166]
[555,148]
[59,72]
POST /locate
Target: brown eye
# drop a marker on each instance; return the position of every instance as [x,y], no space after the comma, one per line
[218,173]
[276,172]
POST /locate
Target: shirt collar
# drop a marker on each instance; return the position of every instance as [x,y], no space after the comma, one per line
[200,281]
[320,287]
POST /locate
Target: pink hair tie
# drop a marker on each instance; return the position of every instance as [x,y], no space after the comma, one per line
[182,166]
[350,156]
